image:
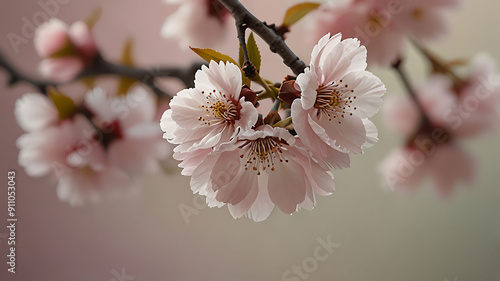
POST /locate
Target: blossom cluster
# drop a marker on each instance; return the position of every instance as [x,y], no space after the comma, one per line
[456,109]
[98,144]
[96,147]
[236,157]
[383,25]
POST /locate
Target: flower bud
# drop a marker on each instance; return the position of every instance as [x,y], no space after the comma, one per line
[66,50]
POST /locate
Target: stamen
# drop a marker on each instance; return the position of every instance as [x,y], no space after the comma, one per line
[263,154]
[333,99]
[219,109]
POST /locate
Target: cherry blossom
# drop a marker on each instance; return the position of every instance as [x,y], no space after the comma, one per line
[435,96]
[66,49]
[338,94]
[35,112]
[477,107]
[262,169]
[455,108]
[196,23]
[97,157]
[464,111]
[383,25]
[208,115]
[446,164]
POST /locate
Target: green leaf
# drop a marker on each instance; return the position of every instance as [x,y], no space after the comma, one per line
[65,106]
[126,59]
[94,17]
[212,55]
[295,13]
[253,52]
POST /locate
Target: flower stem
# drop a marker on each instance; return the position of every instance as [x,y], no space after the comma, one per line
[267,90]
[439,66]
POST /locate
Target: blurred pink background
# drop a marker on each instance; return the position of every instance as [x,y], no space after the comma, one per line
[382,235]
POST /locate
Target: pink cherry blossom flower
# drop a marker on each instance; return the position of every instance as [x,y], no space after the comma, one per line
[338,94]
[47,149]
[35,112]
[78,161]
[66,50]
[469,111]
[197,23]
[476,110]
[98,159]
[208,115]
[382,25]
[435,96]
[128,124]
[261,169]
[446,164]
[370,22]
[426,19]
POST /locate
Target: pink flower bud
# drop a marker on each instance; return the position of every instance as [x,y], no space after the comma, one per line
[82,38]
[67,50]
[51,37]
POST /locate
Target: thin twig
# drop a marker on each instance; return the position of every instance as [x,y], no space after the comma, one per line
[103,67]
[439,66]
[425,122]
[269,35]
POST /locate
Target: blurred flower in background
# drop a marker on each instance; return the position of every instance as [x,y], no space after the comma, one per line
[66,50]
[383,25]
[200,23]
[95,149]
[455,109]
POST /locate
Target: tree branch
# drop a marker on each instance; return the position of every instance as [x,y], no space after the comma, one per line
[269,35]
[16,76]
[406,82]
[103,67]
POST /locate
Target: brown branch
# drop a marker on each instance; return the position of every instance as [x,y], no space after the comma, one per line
[268,34]
[103,67]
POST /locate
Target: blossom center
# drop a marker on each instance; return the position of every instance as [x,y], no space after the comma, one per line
[263,153]
[220,109]
[332,100]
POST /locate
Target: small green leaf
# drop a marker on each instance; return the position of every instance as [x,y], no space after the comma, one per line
[212,55]
[94,17]
[127,59]
[253,52]
[295,13]
[65,106]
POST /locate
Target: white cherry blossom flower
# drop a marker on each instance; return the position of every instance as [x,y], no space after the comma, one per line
[197,23]
[35,112]
[208,115]
[338,94]
[263,168]
[96,158]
